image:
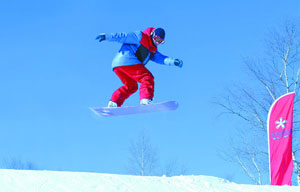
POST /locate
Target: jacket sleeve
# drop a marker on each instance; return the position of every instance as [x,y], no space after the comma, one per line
[129,38]
[162,59]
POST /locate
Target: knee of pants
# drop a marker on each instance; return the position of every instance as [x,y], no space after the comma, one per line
[133,88]
[149,80]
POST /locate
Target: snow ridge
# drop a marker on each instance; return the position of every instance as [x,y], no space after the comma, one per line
[58,181]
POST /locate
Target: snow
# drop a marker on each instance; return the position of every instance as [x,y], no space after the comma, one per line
[58,181]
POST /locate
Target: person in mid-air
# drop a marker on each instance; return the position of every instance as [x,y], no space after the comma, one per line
[129,63]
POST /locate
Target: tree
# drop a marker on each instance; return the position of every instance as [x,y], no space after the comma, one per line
[278,73]
[143,157]
[173,168]
[14,163]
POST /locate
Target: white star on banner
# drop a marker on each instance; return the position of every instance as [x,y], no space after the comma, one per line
[280,123]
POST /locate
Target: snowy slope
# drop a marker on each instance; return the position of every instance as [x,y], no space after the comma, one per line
[55,181]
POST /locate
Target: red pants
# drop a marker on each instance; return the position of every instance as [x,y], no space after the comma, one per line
[129,76]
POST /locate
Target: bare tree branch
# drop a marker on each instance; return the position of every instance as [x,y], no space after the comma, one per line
[143,159]
[276,75]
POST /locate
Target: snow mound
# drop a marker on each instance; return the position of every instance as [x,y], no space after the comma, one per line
[57,181]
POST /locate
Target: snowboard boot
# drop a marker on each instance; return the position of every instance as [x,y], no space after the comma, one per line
[145,101]
[112,104]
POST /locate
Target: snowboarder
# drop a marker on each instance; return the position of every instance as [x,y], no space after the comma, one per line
[129,63]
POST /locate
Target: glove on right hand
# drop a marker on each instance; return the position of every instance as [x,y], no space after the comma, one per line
[101,37]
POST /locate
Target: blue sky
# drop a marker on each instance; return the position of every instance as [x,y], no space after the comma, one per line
[52,70]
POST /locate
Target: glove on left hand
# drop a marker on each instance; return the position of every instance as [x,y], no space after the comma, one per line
[178,62]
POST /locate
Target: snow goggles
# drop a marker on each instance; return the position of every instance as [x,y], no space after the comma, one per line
[158,39]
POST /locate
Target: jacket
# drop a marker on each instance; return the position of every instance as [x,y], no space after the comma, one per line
[137,48]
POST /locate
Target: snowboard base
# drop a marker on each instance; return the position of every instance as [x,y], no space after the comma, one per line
[129,110]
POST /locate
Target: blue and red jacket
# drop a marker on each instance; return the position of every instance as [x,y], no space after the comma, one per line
[137,48]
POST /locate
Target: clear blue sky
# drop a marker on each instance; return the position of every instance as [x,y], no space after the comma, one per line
[52,70]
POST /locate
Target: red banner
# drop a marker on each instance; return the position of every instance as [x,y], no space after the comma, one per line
[280,129]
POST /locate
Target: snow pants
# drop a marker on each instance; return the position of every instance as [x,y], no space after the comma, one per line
[130,76]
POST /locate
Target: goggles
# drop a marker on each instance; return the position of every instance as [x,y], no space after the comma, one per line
[157,39]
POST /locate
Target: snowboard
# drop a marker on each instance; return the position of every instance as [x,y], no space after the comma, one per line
[129,110]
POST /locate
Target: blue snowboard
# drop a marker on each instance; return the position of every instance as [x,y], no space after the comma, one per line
[128,110]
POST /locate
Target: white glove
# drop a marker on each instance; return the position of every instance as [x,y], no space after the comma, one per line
[174,62]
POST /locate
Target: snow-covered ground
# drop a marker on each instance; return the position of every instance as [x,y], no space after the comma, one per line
[56,181]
